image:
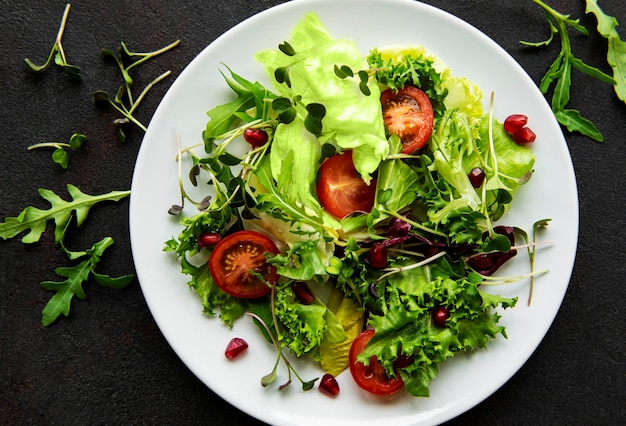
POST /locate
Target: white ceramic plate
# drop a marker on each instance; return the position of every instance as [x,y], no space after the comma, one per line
[200,341]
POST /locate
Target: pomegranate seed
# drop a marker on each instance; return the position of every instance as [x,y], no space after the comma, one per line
[378,256]
[208,239]
[524,136]
[476,177]
[515,122]
[235,347]
[328,385]
[255,137]
[440,315]
[303,292]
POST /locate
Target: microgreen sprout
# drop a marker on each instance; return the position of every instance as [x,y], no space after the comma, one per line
[345,71]
[60,155]
[124,101]
[271,377]
[58,53]
[531,247]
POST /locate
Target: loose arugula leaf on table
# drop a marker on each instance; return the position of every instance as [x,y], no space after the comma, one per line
[616,55]
[35,220]
[58,53]
[560,71]
[60,155]
[76,276]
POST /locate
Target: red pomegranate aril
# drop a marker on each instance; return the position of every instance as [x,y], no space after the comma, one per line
[303,292]
[515,122]
[476,177]
[524,136]
[208,239]
[440,315]
[328,385]
[255,137]
[378,256]
[235,347]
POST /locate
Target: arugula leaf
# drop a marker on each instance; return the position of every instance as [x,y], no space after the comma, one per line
[616,55]
[76,276]
[35,220]
[560,73]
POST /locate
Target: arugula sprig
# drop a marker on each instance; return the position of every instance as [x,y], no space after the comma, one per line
[57,52]
[60,155]
[124,101]
[35,220]
[616,54]
[560,72]
[76,276]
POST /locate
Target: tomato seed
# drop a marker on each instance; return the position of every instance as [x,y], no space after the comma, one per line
[440,315]
[515,122]
[255,137]
[328,385]
[235,347]
[524,136]
[476,177]
[303,292]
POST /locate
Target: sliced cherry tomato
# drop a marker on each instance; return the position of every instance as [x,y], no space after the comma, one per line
[408,114]
[341,190]
[235,256]
[372,378]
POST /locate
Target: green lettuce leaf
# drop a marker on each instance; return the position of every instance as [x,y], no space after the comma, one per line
[352,120]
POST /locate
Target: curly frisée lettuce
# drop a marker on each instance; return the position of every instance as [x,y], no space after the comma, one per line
[429,219]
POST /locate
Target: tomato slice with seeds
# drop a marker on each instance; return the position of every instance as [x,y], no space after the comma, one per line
[340,189]
[408,114]
[372,378]
[235,256]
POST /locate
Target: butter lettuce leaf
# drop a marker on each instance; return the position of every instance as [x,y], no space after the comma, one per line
[352,120]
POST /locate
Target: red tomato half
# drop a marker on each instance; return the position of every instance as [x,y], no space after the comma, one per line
[372,378]
[408,114]
[235,256]
[341,190]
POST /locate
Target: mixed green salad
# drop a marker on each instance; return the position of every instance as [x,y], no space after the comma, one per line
[358,223]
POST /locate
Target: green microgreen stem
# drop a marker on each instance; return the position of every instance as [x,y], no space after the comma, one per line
[57,52]
[148,55]
[307,385]
[390,271]
[147,89]
[57,145]
[488,280]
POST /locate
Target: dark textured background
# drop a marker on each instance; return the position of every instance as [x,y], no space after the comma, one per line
[108,362]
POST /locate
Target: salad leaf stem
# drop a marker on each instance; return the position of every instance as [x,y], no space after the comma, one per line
[489,280]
